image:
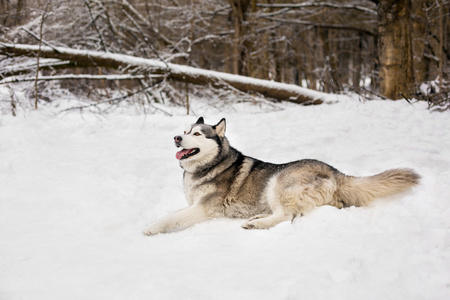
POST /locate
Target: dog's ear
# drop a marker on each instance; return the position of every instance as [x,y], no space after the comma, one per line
[221,127]
[200,121]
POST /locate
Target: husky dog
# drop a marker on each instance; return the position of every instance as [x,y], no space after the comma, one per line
[219,181]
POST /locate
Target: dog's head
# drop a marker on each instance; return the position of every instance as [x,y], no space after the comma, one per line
[200,142]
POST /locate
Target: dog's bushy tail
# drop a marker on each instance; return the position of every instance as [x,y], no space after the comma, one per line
[360,191]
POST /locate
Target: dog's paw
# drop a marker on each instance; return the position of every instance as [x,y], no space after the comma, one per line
[149,232]
[248,225]
[258,222]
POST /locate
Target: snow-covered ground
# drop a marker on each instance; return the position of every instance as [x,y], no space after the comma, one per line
[78,189]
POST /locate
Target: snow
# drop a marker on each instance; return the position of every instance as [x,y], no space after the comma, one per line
[78,189]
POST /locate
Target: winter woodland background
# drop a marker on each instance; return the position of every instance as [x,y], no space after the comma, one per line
[93,91]
[378,49]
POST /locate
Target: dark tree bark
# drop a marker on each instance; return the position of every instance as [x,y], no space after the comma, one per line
[395,48]
[419,32]
[238,10]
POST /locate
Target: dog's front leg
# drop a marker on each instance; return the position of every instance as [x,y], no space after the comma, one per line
[178,220]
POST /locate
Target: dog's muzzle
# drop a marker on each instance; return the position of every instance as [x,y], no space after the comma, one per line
[184,153]
[178,140]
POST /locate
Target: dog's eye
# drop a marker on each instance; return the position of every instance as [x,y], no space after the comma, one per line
[197,134]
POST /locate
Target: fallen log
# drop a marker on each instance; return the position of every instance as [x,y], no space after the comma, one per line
[88,58]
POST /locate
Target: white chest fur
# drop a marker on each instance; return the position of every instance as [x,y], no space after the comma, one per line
[195,190]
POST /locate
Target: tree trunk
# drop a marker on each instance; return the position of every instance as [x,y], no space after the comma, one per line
[356,63]
[419,35]
[238,10]
[395,48]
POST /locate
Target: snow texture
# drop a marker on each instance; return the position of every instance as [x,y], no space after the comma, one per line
[78,189]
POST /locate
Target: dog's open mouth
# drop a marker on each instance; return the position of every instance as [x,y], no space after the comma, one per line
[185,153]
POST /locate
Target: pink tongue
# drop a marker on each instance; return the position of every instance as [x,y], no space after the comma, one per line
[180,154]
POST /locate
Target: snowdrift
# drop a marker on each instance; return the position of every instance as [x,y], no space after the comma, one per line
[77,190]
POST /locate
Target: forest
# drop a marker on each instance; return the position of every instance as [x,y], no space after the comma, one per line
[278,50]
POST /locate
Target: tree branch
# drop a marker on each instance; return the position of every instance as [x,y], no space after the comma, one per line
[319,4]
[102,42]
[85,58]
[41,26]
[18,70]
[144,36]
[110,101]
[82,76]
[38,38]
[321,25]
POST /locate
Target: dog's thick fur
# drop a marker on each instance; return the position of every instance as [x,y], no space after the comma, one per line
[219,181]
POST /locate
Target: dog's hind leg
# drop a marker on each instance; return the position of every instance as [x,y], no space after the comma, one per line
[280,213]
[259,217]
[290,195]
[268,221]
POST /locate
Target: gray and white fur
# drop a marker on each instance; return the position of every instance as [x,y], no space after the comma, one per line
[219,181]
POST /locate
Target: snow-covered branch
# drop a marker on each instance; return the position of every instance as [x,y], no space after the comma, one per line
[319,4]
[15,69]
[81,76]
[86,58]
[323,25]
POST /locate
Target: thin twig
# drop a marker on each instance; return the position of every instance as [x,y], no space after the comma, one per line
[82,76]
[404,97]
[145,38]
[13,101]
[319,4]
[8,72]
[111,101]
[102,42]
[441,46]
[322,25]
[40,39]
[39,54]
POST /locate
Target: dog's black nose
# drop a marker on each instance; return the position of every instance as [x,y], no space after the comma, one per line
[177,139]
